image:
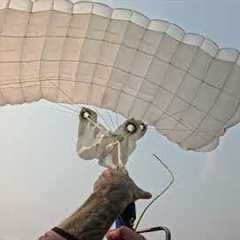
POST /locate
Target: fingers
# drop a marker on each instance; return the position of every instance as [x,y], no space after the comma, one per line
[107,173]
[103,179]
[113,174]
[123,233]
[121,177]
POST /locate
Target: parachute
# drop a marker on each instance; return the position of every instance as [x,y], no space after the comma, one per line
[182,84]
[110,148]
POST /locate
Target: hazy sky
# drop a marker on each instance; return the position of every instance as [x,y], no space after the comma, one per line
[42,180]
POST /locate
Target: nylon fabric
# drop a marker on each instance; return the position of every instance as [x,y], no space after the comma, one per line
[96,142]
[180,83]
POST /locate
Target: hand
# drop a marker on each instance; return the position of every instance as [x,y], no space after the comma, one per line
[123,233]
[119,179]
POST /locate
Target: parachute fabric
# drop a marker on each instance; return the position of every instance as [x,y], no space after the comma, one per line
[112,149]
[182,84]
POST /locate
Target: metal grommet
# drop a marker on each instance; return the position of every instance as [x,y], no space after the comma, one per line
[143,127]
[85,114]
[131,127]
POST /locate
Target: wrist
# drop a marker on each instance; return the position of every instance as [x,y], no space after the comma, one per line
[98,213]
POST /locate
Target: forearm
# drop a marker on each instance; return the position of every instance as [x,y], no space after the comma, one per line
[113,192]
[95,217]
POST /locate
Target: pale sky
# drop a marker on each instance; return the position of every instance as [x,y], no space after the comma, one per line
[42,179]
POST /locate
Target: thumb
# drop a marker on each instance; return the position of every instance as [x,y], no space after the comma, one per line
[141,194]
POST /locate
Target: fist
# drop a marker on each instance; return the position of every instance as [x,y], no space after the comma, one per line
[123,233]
[112,179]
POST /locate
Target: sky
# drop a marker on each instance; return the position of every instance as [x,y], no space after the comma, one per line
[42,180]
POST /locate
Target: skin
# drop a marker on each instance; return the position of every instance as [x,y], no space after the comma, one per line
[123,233]
[113,192]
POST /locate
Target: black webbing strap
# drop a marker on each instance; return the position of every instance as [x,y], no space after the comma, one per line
[64,234]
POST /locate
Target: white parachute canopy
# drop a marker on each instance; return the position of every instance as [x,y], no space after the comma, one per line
[182,84]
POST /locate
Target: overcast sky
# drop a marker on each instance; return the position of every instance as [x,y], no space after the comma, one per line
[42,180]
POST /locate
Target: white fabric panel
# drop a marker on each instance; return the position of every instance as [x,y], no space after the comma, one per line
[233,82]
[193,39]
[235,118]
[218,72]
[110,98]
[184,56]
[206,97]
[210,47]
[210,147]
[23,5]
[200,64]
[167,48]
[4,4]
[189,88]
[150,42]
[227,54]
[111,149]
[176,32]
[181,83]
[30,81]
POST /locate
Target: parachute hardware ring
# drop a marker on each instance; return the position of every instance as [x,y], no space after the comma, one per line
[131,127]
[85,114]
[143,127]
[154,229]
